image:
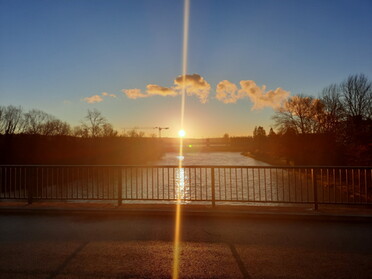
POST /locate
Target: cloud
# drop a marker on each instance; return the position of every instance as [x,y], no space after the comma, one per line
[153,89]
[134,93]
[93,99]
[108,95]
[194,85]
[226,92]
[260,98]
[97,98]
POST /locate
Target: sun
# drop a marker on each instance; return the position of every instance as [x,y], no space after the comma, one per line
[181,133]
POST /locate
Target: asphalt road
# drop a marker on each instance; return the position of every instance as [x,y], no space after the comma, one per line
[91,245]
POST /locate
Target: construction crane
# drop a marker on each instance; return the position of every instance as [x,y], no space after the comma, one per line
[161,128]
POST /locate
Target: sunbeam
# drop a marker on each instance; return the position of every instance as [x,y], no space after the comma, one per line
[181,178]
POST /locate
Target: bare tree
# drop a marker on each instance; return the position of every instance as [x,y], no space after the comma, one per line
[35,122]
[56,127]
[96,125]
[79,131]
[134,134]
[108,131]
[2,113]
[334,110]
[357,96]
[94,122]
[299,113]
[11,120]
[38,122]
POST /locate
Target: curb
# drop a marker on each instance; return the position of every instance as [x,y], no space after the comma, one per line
[189,212]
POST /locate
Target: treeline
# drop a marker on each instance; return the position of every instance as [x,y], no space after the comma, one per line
[35,137]
[333,129]
[13,120]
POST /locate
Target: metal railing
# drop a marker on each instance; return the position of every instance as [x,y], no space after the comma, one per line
[211,184]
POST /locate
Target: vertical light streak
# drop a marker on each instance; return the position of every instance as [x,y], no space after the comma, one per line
[181,178]
[184,60]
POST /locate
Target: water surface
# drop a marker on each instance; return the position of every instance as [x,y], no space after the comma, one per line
[210,158]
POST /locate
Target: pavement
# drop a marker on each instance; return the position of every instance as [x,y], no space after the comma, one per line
[62,240]
[294,211]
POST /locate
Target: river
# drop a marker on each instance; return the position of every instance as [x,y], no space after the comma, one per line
[210,158]
[234,182]
[234,178]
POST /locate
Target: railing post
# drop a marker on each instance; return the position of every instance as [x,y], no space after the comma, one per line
[30,183]
[213,188]
[314,173]
[120,187]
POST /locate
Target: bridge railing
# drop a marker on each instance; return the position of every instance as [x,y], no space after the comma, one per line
[198,184]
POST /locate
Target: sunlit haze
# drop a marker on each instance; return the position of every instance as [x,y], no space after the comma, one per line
[124,58]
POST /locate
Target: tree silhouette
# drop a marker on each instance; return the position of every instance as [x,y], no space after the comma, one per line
[300,113]
[259,132]
[95,125]
[357,96]
[11,120]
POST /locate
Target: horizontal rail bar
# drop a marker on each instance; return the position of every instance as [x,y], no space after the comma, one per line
[211,183]
[200,166]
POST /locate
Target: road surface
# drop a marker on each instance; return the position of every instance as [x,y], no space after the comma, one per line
[93,245]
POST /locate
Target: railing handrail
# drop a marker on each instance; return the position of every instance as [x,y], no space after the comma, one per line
[202,183]
[196,166]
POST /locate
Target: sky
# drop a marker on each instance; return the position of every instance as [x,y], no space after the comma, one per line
[124,58]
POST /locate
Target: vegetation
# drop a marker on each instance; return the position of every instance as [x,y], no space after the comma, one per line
[334,129]
[36,137]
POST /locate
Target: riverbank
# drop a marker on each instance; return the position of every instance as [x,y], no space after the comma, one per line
[267,159]
[69,150]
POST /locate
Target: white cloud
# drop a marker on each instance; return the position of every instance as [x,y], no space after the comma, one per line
[93,99]
[260,98]
[226,92]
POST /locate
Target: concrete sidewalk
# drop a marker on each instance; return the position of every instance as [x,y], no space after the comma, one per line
[190,209]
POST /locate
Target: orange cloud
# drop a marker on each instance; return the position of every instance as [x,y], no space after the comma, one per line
[108,95]
[134,93]
[226,92]
[153,89]
[194,85]
[93,99]
[260,98]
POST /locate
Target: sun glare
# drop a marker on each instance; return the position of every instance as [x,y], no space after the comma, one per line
[181,133]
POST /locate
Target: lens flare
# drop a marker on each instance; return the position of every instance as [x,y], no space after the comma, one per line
[181,178]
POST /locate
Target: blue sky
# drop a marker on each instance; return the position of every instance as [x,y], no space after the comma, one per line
[53,54]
